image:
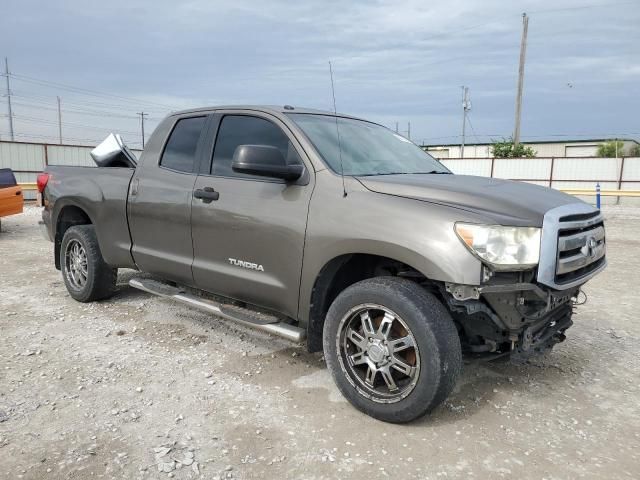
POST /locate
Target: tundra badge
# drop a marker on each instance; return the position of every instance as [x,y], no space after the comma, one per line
[249,265]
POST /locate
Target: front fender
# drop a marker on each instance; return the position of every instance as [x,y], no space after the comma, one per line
[416,233]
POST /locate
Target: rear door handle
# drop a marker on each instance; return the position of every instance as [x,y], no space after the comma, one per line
[206,194]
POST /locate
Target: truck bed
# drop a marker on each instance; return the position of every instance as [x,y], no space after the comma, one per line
[102,194]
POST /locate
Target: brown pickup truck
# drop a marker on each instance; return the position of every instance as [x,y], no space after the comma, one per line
[335,229]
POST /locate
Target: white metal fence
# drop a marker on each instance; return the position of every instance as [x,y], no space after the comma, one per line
[556,172]
[27,159]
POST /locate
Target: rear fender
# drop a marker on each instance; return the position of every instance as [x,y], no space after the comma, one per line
[105,205]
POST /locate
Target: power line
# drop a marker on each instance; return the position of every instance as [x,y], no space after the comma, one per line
[28,135]
[103,95]
[75,111]
[473,129]
[553,135]
[78,111]
[583,135]
[94,141]
[79,106]
[581,7]
[99,94]
[47,100]
[86,91]
[462,30]
[46,121]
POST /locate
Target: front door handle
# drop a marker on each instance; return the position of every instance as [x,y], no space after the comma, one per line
[206,194]
[134,187]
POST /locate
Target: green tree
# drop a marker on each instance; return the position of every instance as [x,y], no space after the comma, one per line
[610,149]
[506,149]
[634,151]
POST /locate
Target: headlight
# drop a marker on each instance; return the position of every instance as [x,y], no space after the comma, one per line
[504,248]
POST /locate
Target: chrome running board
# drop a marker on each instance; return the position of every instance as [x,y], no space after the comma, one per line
[243,316]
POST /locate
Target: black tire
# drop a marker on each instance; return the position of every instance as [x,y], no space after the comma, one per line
[439,354]
[100,279]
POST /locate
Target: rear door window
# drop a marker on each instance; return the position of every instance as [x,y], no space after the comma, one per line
[7,178]
[180,152]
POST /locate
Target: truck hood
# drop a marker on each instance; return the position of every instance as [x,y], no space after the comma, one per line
[503,201]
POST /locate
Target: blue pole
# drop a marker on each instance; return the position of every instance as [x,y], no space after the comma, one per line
[598,195]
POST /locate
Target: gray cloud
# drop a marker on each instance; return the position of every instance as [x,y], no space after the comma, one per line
[393,61]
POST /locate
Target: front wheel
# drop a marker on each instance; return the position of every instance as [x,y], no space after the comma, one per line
[85,273]
[392,348]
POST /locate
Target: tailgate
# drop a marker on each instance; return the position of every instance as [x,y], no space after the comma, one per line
[11,201]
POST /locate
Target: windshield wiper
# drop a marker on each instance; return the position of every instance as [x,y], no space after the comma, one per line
[386,173]
[432,172]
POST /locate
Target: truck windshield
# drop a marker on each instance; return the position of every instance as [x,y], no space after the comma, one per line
[366,148]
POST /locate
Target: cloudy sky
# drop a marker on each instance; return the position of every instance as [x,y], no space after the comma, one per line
[394,61]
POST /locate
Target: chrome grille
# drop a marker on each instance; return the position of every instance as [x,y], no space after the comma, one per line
[573,246]
[578,251]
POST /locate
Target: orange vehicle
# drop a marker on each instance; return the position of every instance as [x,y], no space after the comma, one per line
[11,199]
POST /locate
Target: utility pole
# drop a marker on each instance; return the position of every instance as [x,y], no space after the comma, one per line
[409,130]
[396,127]
[523,54]
[6,71]
[59,121]
[466,106]
[142,115]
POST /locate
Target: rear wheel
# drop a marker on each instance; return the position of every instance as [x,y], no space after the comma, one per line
[85,273]
[392,348]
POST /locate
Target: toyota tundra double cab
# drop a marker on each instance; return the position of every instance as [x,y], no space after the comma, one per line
[325,227]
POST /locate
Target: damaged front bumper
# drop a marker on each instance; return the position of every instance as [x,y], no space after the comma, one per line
[527,312]
[518,318]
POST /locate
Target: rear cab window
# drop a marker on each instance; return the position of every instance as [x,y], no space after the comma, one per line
[180,151]
[7,178]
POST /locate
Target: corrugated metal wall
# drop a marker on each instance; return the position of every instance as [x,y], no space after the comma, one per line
[29,159]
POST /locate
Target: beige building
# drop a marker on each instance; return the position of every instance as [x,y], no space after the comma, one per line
[552,148]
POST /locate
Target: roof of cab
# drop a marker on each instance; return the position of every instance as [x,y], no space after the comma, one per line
[277,109]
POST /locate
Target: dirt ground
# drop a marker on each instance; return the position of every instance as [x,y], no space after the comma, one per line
[114,389]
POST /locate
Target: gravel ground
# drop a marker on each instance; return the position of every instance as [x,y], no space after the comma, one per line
[130,386]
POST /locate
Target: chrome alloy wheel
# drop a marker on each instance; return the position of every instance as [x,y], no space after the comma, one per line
[76,270]
[378,353]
